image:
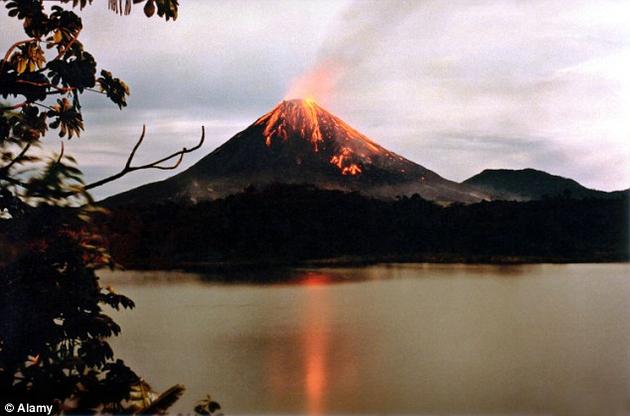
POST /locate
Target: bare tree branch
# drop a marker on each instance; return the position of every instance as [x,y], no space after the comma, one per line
[16,159]
[153,165]
[135,148]
[61,90]
[63,149]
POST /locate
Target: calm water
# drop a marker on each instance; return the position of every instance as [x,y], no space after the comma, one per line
[421,339]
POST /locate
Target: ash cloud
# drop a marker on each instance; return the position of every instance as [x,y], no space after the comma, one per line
[543,77]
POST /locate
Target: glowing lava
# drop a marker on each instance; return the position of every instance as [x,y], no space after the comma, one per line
[295,117]
[344,147]
[341,160]
[298,142]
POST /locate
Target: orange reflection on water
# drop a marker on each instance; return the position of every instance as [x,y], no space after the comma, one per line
[314,279]
[315,341]
[315,373]
[305,364]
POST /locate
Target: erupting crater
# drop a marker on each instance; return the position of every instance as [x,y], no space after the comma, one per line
[303,119]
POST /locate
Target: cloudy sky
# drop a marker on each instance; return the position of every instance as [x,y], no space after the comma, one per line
[457,86]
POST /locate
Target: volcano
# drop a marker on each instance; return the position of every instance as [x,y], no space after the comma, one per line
[298,142]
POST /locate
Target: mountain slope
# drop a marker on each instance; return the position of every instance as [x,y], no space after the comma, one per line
[530,184]
[300,142]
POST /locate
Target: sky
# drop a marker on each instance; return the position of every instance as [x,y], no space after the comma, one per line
[457,86]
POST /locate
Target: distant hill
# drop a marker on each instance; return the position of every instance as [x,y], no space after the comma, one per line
[531,184]
[298,142]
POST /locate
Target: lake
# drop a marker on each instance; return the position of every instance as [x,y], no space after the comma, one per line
[395,339]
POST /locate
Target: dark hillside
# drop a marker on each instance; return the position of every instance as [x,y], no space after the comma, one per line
[287,224]
[531,184]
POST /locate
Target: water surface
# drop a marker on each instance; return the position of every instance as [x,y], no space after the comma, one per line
[397,339]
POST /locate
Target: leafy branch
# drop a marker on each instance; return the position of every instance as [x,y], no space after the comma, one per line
[56,346]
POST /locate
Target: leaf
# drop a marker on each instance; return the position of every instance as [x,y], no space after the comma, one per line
[141,395]
[58,36]
[28,57]
[144,401]
[32,85]
[165,400]
[77,71]
[207,406]
[116,301]
[115,89]
[149,8]
[95,352]
[32,12]
[167,9]
[30,125]
[67,119]
[80,3]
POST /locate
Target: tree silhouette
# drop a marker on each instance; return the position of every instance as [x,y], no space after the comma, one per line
[53,329]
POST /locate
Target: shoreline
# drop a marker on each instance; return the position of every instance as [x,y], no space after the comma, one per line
[359,261]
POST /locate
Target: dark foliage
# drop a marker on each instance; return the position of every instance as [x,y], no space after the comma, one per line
[295,223]
[53,329]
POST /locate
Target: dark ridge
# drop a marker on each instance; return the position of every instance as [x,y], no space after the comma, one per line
[531,184]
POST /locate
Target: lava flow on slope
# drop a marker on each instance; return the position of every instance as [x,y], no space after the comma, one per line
[300,142]
[304,119]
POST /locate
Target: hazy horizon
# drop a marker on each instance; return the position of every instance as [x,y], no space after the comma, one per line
[457,87]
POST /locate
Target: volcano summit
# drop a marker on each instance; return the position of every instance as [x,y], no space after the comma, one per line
[298,142]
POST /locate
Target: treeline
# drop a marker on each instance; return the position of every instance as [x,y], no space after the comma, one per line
[287,224]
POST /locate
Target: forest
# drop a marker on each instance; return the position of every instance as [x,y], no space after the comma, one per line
[292,224]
